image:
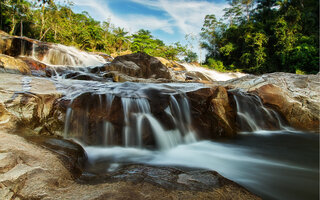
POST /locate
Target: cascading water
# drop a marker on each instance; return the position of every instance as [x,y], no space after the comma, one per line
[213,74]
[61,55]
[140,123]
[254,116]
[120,123]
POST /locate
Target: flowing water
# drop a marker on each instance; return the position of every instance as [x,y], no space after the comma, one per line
[61,55]
[268,157]
[119,123]
[213,74]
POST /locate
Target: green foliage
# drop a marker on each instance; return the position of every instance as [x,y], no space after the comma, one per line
[277,35]
[143,41]
[46,20]
[190,57]
[216,64]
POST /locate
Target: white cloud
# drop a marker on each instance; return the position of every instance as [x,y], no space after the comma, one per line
[188,15]
[132,22]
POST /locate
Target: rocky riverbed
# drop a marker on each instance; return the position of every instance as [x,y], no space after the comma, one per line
[51,113]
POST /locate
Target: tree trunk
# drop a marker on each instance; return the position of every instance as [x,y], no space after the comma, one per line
[42,22]
[13,25]
[55,33]
[1,15]
[247,9]
[44,34]
[21,28]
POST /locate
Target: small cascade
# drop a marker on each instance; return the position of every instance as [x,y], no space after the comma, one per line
[134,110]
[60,55]
[108,134]
[139,122]
[254,116]
[111,119]
[212,74]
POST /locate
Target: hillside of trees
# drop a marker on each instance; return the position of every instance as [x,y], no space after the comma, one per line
[264,36]
[48,21]
[255,36]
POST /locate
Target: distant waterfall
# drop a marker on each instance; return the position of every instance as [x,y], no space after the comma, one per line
[252,115]
[62,55]
[212,74]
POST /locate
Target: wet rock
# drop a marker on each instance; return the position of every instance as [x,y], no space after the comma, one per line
[213,112]
[15,65]
[301,114]
[30,102]
[139,65]
[295,97]
[84,76]
[34,172]
[22,46]
[197,76]
[107,57]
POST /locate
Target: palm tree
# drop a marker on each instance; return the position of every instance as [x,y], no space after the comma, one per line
[121,38]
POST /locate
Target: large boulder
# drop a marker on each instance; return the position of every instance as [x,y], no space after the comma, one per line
[22,46]
[295,97]
[28,171]
[139,65]
[30,102]
[213,112]
[15,65]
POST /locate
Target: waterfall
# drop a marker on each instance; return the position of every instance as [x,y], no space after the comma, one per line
[252,115]
[61,55]
[212,74]
[137,113]
[95,119]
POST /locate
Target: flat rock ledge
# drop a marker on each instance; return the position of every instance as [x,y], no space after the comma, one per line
[29,171]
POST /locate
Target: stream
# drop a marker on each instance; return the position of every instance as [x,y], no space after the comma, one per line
[274,163]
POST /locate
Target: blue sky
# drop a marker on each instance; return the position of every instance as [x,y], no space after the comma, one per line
[168,20]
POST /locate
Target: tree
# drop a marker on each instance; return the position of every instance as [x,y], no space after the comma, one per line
[121,38]
[234,12]
[210,35]
[190,57]
[143,42]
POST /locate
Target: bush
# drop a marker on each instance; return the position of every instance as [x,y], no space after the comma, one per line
[216,64]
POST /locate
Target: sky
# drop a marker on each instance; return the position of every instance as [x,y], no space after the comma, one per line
[168,20]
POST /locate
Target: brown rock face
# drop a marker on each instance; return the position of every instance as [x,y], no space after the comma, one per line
[295,97]
[297,116]
[30,102]
[16,46]
[11,64]
[139,65]
[213,112]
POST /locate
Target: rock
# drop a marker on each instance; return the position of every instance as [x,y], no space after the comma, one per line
[34,64]
[10,64]
[30,102]
[38,173]
[295,97]
[139,65]
[105,56]
[84,76]
[197,76]
[171,64]
[213,112]
[22,46]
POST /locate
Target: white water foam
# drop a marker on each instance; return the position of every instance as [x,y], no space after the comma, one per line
[213,74]
[61,55]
